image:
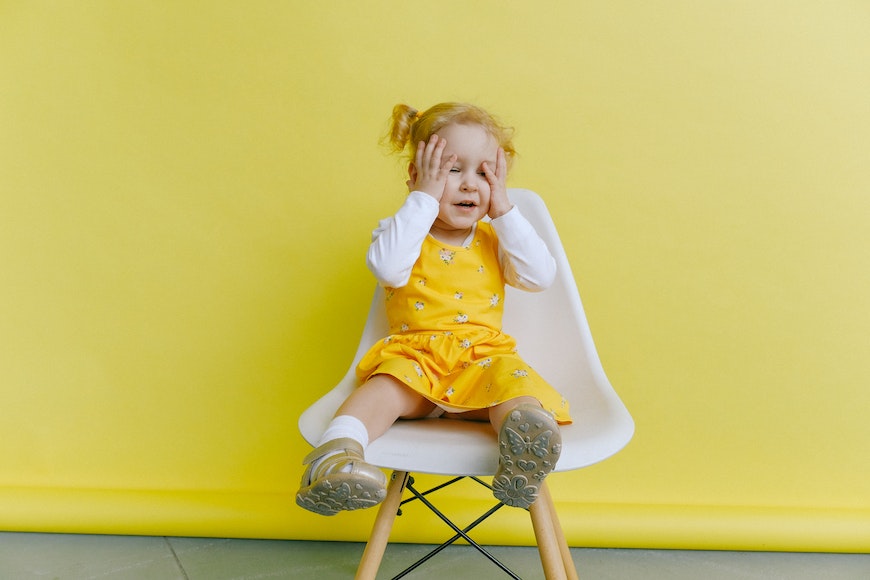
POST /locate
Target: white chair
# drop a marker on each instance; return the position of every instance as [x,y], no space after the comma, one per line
[554,338]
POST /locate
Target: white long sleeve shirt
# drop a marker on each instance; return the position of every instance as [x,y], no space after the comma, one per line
[525,260]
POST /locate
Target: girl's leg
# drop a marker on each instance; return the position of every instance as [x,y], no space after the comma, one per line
[494,415]
[337,477]
[381,401]
[529,444]
[498,413]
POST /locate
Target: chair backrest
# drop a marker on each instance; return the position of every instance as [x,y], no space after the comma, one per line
[553,336]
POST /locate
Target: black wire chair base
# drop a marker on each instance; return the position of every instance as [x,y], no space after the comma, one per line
[460,533]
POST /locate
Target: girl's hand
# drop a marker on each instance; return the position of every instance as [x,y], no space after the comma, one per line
[499,204]
[429,171]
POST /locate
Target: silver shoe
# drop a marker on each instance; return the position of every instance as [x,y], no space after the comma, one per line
[529,445]
[328,490]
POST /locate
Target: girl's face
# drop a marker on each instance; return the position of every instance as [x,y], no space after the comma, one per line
[467,194]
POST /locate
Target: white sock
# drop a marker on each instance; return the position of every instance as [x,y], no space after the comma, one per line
[343,426]
[346,426]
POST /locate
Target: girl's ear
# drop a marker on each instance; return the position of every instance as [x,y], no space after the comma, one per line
[412,173]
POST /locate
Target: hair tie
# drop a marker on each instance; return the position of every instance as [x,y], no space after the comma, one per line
[418,115]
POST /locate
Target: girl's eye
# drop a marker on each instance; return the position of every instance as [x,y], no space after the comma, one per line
[454,170]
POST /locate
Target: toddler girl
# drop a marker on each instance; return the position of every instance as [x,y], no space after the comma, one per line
[444,269]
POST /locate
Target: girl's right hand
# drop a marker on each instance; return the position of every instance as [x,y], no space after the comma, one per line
[429,171]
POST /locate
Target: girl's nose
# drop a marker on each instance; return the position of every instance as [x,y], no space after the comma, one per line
[468,184]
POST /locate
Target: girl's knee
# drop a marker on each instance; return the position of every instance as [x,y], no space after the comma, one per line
[512,404]
[498,412]
[409,404]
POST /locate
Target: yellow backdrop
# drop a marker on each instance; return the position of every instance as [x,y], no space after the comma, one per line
[187,190]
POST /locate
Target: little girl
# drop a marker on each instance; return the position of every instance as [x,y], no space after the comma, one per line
[444,269]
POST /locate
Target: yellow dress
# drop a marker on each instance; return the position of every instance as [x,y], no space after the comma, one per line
[445,337]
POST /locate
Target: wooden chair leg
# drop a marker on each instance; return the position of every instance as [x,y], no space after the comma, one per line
[567,560]
[545,534]
[377,544]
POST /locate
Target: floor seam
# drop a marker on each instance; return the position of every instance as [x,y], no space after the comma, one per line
[176,558]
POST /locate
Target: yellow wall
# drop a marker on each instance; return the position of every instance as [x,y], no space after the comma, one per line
[187,189]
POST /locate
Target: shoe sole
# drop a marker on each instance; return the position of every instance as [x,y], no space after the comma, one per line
[340,492]
[529,446]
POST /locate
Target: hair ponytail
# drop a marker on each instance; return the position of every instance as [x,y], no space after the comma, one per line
[400,127]
[408,126]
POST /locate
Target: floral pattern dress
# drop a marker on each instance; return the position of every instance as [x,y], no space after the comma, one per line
[446,340]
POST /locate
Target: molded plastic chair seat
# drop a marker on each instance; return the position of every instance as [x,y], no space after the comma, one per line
[553,337]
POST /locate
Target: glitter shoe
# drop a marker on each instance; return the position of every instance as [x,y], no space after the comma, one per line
[342,481]
[529,445]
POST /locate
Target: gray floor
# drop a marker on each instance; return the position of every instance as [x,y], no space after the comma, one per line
[72,557]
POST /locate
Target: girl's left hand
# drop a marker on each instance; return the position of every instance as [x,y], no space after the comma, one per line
[499,204]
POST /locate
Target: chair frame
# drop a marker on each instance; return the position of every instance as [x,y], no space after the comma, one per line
[552,546]
[602,425]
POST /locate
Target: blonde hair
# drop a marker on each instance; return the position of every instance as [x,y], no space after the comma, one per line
[408,126]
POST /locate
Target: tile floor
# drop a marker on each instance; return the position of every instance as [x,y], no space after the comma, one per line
[75,557]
